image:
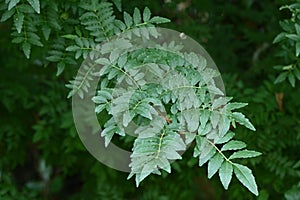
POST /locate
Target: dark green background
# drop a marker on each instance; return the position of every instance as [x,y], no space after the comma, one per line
[36,122]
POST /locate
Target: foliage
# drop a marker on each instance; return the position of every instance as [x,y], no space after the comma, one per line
[289,41]
[191,112]
[44,157]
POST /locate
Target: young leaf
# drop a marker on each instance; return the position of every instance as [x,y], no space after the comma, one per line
[233,145]
[245,154]
[245,176]
[225,173]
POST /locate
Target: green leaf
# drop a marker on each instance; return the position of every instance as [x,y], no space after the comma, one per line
[12,4]
[122,60]
[214,164]
[118,4]
[228,136]
[100,108]
[293,37]
[225,174]
[244,154]
[215,118]
[192,119]
[73,48]
[241,119]
[159,20]
[128,19]
[26,47]
[70,36]
[221,101]
[151,154]
[292,79]
[164,164]
[204,116]
[233,145]
[224,125]
[127,117]
[148,168]
[233,106]
[297,73]
[281,77]
[245,176]
[46,32]
[35,4]
[206,150]
[146,14]
[293,193]
[7,14]
[143,109]
[297,49]
[297,27]
[18,40]
[102,61]
[60,68]
[206,154]
[108,133]
[279,38]
[18,21]
[120,25]
[137,16]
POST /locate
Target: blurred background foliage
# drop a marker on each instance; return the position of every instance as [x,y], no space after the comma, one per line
[43,158]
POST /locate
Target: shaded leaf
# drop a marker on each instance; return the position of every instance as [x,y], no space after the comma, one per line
[18,21]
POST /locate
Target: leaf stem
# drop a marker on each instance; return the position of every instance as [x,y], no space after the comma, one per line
[159,145]
[220,152]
